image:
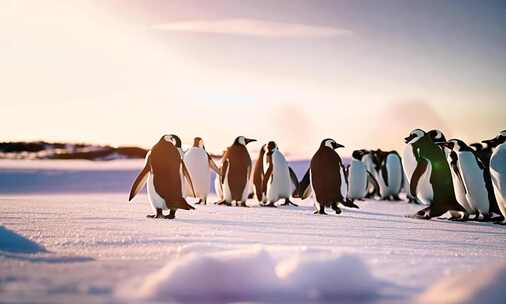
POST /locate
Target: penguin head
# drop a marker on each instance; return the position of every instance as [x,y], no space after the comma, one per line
[173,139]
[241,140]
[330,143]
[437,136]
[414,136]
[270,147]
[456,145]
[499,139]
[357,154]
[198,142]
[478,146]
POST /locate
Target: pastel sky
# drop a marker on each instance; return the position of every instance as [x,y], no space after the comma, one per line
[362,72]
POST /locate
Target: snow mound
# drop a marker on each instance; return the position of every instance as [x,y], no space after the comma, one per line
[257,274]
[13,242]
[487,286]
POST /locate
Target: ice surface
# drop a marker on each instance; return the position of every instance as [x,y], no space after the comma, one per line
[486,286]
[101,248]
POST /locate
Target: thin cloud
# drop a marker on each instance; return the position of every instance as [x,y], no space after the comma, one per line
[254,27]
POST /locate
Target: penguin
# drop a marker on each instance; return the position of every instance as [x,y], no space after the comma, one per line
[273,179]
[483,151]
[372,183]
[431,179]
[325,178]
[162,172]
[236,173]
[471,174]
[498,172]
[218,187]
[458,187]
[357,177]
[389,174]
[199,164]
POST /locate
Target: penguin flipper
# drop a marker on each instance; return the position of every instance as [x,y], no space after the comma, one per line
[295,180]
[268,173]
[455,168]
[258,175]
[421,167]
[213,165]
[224,168]
[140,180]
[374,182]
[305,186]
[186,174]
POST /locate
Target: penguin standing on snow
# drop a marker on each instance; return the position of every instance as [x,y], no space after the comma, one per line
[162,171]
[357,177]
[199,163]
[236,173]
[458,186]
[324,178]
[273,179]
[431,180]
[498,172]
[372,183]
[471,173]
[388,173]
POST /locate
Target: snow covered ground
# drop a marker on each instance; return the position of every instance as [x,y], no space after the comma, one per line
[69,234]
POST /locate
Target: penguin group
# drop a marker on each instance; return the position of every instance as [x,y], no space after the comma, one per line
[467,181]
[448,175]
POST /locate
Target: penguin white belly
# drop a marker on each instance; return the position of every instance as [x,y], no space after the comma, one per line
[157,202]
[344,184]
[384,191]
[279,184]
[217,188]
[460,193]
[357,180]
[474,182]
[424,189]
[247,189]
[227,192]
[498,174]
[394,169]
[197,162]
[409,161]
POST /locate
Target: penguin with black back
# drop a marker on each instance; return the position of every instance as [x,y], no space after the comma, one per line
[163,172]
[324,178]
[431,180]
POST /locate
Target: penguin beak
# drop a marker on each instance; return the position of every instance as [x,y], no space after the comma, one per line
[409,138]
[336,146]
[248,140]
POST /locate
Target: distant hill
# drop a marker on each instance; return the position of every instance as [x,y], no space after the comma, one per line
[46,150]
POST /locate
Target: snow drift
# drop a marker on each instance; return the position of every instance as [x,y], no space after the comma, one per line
[257,274]
[487,286]
[13,242]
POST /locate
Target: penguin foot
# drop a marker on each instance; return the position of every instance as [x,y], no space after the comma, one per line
[159,214]
[271,205]
[322,212]
[243,204]
[350,204]
[289,203]
[223,203]
[171,215]
[503,222]
[396,197]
